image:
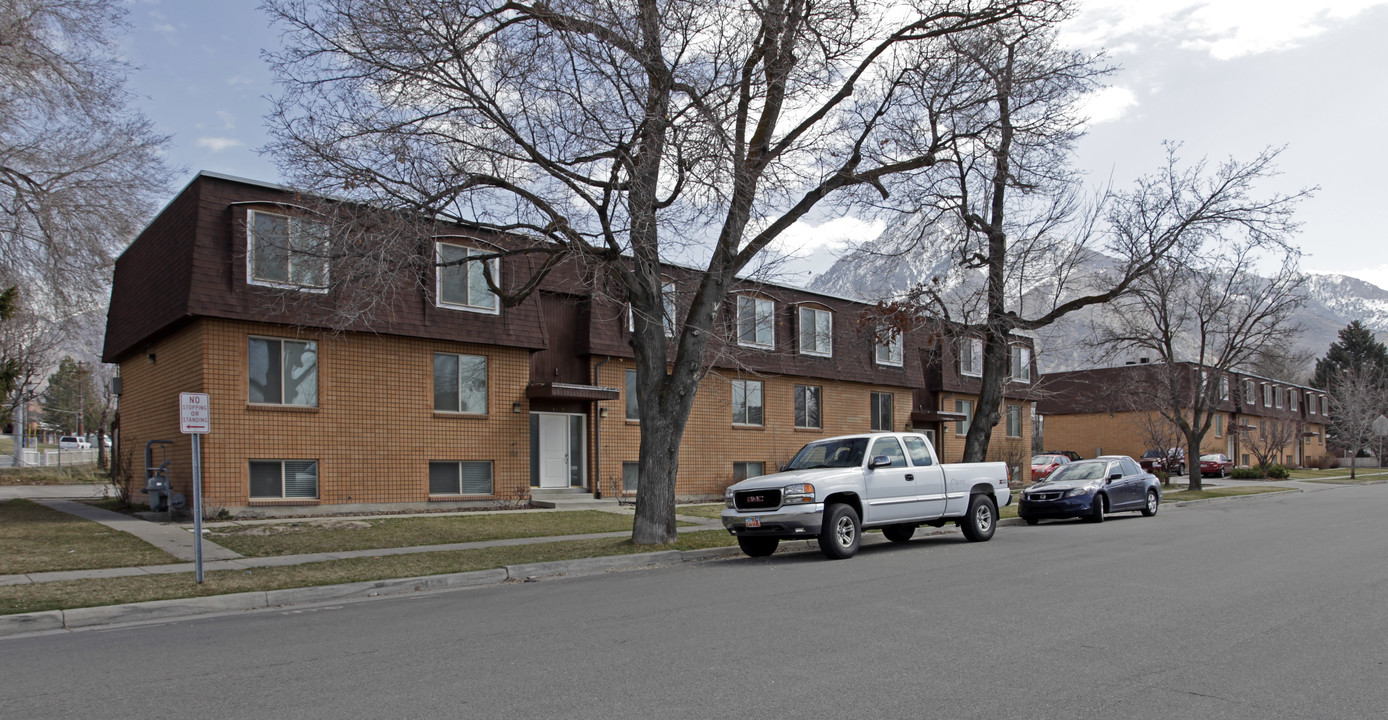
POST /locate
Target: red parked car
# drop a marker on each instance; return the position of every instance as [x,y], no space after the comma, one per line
[1043,465]
[1217,464]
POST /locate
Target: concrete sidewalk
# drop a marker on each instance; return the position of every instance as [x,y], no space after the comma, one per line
[172,539]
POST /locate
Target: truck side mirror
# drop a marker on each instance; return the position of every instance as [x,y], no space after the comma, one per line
[880,461]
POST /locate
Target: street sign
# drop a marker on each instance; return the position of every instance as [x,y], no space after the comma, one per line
[194,414]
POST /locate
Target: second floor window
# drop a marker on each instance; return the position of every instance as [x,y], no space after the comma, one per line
[1292,400]
[880,411]
[633,409]
[1021,364]
[971,357]
[1249,392]
[462,284]
[889,349]
[755,318]
[1267,395]
[747,402]
[807,407]
[1277,394]
[816,332]
[287,251]
[1224,388]
[460,383]
[282,372]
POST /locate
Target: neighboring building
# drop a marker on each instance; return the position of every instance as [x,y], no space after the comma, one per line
[452,400]
[1111,411]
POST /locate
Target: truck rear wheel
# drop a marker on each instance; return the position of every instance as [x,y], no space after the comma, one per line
[758,546]
[981,520]
[840,534]
[899,533]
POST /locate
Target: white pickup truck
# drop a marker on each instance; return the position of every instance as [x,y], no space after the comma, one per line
[835,488]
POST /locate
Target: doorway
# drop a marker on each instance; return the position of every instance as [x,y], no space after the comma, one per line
[558,452]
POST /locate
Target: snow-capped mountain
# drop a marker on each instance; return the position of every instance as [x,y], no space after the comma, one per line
[891,264]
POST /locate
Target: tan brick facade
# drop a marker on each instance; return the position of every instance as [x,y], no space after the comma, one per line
[373,432]
[1120,433]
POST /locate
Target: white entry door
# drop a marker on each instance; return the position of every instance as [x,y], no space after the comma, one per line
[554,451]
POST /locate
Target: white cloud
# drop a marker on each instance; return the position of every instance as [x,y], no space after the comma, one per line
[803,239]
[1225,29]
[228,121]
[1107,104]
[1376,275]
[218,144]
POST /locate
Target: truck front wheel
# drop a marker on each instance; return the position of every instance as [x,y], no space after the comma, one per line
[758,546]
[840,534]
[978,524]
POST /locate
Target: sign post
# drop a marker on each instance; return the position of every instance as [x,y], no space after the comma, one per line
[195,418]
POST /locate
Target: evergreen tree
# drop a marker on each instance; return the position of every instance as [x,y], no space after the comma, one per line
[1356,348]
[70,393]
[9,367]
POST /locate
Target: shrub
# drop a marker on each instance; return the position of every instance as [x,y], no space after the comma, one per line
[1162,475]
[1246,474]
[1278,472]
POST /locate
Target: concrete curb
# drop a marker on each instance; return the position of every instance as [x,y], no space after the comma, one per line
[1252,496]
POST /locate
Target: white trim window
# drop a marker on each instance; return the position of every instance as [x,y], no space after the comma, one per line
[1292,399]
[282,372]
[1310,403]
[286,252]
[1279,394]
[1014,421]
[460,383]
[756,322]
[1219,425]
[808,407]
[284,479]
[971,357]
[966,407]
[1224,389]
[1267,395]
[1250,392]
[462,286]
[460,477]
[816,332]
[748,407]
[1021,364]
[890,351]
[880,411]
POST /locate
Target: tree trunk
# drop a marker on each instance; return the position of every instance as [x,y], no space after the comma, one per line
[1197,481]
[990,397]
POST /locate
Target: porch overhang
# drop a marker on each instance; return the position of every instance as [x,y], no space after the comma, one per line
[568,391]
[934,416]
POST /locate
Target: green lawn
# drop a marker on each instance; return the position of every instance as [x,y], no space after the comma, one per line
[7,446]
[52,476]
[113,591]
[293,537]
[706,510]
[1213,491]
[34,538]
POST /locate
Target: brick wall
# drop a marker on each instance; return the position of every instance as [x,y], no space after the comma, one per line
[372,433]
[149,407]
[1120,434]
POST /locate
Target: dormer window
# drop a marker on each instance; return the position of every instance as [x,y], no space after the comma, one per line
[669,305]
[756,322]
[284,251]
[461,284]
[889,349]
[971,357]
[1021,364]
[816,332]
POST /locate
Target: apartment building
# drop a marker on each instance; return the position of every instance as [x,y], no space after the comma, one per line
[450,399]
[1113,411]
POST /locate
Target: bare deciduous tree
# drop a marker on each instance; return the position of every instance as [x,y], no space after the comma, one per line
[1204,312]
[1271,439]
[1011,222]
[620,136]
[79,167]
[1359,397]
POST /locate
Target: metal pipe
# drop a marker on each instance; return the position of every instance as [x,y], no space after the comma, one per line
[597,432]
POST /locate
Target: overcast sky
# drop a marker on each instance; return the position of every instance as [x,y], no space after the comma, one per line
[1223,77]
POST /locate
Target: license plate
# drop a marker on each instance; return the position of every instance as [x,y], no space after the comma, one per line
[753,522]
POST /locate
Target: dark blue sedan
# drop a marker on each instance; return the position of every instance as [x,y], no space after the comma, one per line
[1091,488]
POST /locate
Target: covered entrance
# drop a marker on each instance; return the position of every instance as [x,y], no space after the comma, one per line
[558,450]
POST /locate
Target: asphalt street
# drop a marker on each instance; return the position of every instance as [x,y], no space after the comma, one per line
[1262,608]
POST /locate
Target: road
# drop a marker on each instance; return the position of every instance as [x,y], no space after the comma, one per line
[1265,608]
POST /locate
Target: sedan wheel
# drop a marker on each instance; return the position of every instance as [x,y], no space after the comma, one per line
[1153,503]
[1096,511]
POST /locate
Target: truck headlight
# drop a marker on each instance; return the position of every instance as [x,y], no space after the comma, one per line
[797,493]
[728,498]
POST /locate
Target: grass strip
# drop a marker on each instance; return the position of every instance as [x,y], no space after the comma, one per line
[114,591]
[1217,492]
[294,537]
[80,475]
[1347,480]
[1308,474]
[707,510]
[34,538]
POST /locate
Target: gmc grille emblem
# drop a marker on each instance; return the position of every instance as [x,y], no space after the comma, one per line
[755,498]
